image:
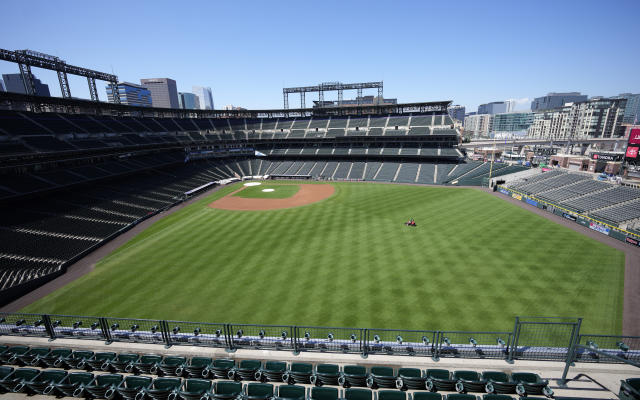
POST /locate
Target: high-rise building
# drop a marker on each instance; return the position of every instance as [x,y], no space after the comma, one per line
[495,107]
[131,94]
[556,100]
[188,101]
[594,118]
[511,105]
[204,94]
[164,92]
[632,110]
[478,125]
[511,124]
[13,83]
[1,86]
[457,112]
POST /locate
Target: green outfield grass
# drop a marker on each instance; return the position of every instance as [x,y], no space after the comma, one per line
[473,263]
[280,191]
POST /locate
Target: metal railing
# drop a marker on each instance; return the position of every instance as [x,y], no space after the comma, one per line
[532,338]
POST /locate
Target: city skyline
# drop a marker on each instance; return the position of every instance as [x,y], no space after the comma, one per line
[252,72]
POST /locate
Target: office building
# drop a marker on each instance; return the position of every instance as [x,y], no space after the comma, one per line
[164,92]
[594,118]
[510,125]
[478,125]
[632,110]
[13,83]
[495,107]
[1,86]
[204,94]
[556,100]
[188,101]
[130,94]
[457,112]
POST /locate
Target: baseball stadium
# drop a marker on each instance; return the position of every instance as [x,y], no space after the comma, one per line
[315,253]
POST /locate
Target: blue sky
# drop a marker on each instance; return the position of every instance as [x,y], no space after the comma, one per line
[470,52]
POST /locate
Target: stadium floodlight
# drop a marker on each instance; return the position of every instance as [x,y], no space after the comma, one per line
[473,342]
[284,335]
[77,324]
[56,323]
[425,340]
[94,325]
[239,333]
[592,345]
[330,337]
[154,329]
[176,329]
[38,322]
[399,339]
[218,332]
[446,341]
[376,338]
[307,335]
[353,337]
[261,334]
[20,322]
[115,326]
[622,346]
[196,331]
[500,342]
[134,327]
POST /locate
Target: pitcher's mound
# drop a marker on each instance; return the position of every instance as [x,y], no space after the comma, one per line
[308,194]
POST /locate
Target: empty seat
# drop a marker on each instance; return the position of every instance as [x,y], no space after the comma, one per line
[381,377]
[530,383]
[245,371]
[124,362]
[353,375]
[72,383]
[133,385]
[496,397]
[34,354]
[194,388]
[272,371]
[427,396]
[169,365]
[326,374]
[219,369]
[630,389]
[291,392]
[460,396]
[17,379]
[45,380]
[4,372]
[391,395]
[77,359]
[498,382]
[468,381]
[10,355]
[161,388]
[55,358]
[195,367]
[103,386]
[146,363]
[358,394]
[324,393]
[439,380]
[259,391]
[410,378]
[227,390]
[298,373]
[97,361]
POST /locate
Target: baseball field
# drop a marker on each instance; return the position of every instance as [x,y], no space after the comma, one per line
[474,262]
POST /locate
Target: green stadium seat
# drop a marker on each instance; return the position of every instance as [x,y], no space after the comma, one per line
[326,374]
[391,395]
[55,358]
[630,389]
[124,362]
[227,390]
[468,381]
[460,396]
[194,388]
[271,372]
[4,372]
[74,381]
[530,383]
[45,380]
[10,356]
[410,378]
[76,360]
[194,367]
[291,392]
[17,379]
[427,396]
[496,397]
[381,377]
[103,386]
[96,362]
[169,365]
[298,373]
[353,376]
[245,371]
[324,393]
[162,388]
[259,391]
[133,385]
[34,354]
[219,369]
[498,382]
[358,394]
[439,380]
[146,363]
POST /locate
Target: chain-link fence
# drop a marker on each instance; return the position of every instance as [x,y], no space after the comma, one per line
[542,338]
[134,330]
[20,324]
[626,347]
[338,340]
[474,344]
[401,342]
[245,336]
[197,334]
[77,327]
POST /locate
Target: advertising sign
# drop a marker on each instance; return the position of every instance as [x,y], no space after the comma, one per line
[569,216]
[634,136]
[516,196]
[599,228]
[606,157]
[632,152]
[504,191]
[532,202]
[632,241]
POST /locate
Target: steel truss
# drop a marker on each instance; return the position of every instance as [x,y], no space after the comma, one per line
[331,87]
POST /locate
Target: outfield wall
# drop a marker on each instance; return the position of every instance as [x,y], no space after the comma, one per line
[592,223]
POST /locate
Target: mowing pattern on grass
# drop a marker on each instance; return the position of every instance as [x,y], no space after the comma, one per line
[473,263]
[279,191]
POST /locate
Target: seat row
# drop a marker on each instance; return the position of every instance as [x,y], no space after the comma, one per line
[57,382]
[433,380]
